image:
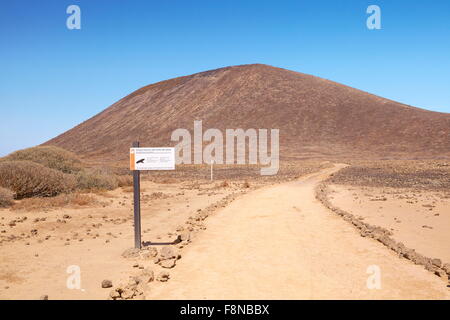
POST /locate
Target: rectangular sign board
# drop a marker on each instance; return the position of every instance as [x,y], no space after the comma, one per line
[152,158]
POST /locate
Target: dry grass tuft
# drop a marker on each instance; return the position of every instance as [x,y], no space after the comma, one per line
[223,184]
[124,180]
[29,179]
[96,179]
[6,197]
[63,200]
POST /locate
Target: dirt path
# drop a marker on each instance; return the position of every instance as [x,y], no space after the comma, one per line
[279,242]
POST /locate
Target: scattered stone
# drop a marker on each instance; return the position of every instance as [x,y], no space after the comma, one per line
[168,264]
[436,262]
[114,294]
[167,253]
[106,284]
[163,276]
[44,297]
[184,236]
[145,277]
[149,253]
[441,273]
[127,293]
[446,268]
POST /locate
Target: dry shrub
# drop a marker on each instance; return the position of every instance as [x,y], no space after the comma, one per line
[48,156]
[29,179]
[96,179]
[6,197]
[63,200]
[223,184]
[158,195]
[124,180]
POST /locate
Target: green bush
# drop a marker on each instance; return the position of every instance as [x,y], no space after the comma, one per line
[6,197]
[95,179]
[50,157]
[29,179]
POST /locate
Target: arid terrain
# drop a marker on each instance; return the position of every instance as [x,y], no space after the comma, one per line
[359,208]
[237,238]
[39,242]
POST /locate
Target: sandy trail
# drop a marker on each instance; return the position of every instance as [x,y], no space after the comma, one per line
[279,242]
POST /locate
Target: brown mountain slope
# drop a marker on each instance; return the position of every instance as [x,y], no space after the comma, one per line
[316,117]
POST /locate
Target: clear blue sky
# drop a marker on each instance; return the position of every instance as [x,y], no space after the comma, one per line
[52,78]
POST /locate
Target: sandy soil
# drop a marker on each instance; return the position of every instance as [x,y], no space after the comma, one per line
[419,219]
[279,242]
[272,242]
[92,238]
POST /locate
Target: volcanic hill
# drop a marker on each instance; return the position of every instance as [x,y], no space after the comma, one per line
[316,117]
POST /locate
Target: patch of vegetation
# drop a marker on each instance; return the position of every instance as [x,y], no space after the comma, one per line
[424,175]
[29,179]
[6,197]
[48,156]
[124,180]
[96,179]
[62,200]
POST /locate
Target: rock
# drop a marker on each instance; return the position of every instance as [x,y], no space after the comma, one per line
[430,267]
[114,294]
[168,264]
[163,276]
[132,283]
[106,284]
[421,260]
[436,262]
[446,268]
[167,253]
[131,253]
[149,253]
[184,236]
[149,272]
[409,254]
[145,276]
[441,273]
[127,293]
[44,297]
[400,248]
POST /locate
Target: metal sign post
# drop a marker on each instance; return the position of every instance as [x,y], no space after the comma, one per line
[137,201]
[146,159]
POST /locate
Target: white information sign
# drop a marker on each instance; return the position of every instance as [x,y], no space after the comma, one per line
[152,158]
